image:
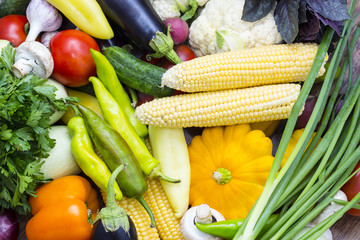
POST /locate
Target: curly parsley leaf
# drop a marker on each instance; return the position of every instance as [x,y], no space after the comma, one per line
[26,106]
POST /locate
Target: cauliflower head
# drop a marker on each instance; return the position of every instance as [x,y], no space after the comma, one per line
[225,16]
[172,8]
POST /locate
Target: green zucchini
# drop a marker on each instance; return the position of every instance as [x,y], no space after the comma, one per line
[17,7]
[136,73]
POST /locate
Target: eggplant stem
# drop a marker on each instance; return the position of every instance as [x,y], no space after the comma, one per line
[163,46]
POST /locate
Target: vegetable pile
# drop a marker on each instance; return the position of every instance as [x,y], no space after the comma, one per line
[178,119]
[27,105]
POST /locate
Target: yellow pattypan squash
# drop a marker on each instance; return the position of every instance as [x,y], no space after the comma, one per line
[295,137]
[229,168]
[268,127]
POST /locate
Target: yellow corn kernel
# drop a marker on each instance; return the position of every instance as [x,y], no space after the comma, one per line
[139,216]
[282,63]
[219,108]
[166,222]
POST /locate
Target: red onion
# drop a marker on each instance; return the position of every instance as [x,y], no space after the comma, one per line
[179,29]
[9,225]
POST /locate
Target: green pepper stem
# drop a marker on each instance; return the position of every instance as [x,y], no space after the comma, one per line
[143,203]
[75,109]
[156,172]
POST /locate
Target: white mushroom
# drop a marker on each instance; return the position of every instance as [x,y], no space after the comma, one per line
[203,214]
[325,213]
[33,57]
[330,209]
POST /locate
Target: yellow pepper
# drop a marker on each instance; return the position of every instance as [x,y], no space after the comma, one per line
[87,15]
[86,100]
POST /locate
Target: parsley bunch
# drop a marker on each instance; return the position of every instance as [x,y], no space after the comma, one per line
[26,105]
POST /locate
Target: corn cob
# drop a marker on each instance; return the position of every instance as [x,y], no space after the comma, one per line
[167,225]
[166,222]
[282,63]
[219,108]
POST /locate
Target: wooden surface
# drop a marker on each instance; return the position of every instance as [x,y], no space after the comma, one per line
[346,228]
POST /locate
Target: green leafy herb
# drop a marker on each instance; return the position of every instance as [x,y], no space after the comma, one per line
[290,14]
[257,9]
[317,168]
[25,108]
[287,19]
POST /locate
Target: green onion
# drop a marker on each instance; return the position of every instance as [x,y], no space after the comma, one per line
[246,232]
[279,189]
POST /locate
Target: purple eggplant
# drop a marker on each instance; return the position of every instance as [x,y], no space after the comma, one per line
[112,222]
[9,225]
[142,25]
[99,232]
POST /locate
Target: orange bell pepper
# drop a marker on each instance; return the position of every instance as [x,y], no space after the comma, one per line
[60,210]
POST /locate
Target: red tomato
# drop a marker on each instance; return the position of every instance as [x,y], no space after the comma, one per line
[183,51]
[12,28]
[351,188]
[73,64]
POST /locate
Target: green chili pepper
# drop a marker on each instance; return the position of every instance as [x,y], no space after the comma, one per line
[116,118]
[89,162]
[227,229]
[107,75]
[115,151]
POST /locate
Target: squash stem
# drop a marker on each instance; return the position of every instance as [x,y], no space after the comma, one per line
[222,176]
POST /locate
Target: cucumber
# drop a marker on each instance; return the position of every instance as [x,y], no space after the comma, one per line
[137,73]
[17,7]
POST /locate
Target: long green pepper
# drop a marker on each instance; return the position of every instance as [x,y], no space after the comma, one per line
[107,75]
[89,162]
[227,229]
[115,152]
[116,118]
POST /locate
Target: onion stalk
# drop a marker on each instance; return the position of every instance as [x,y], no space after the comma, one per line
[332,167]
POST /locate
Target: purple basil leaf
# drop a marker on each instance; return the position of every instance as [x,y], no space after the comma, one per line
[302,11]
[336,25]
[287,19]
[309,29]
[257,9]
[335,10]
